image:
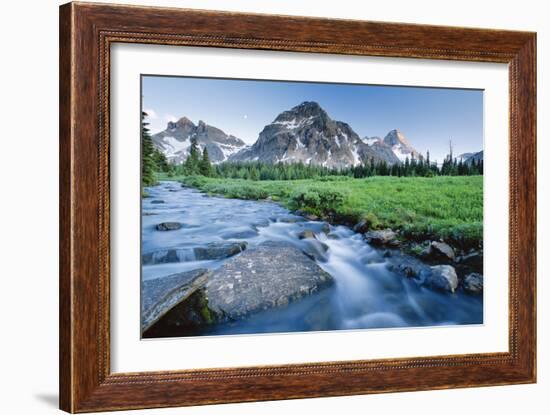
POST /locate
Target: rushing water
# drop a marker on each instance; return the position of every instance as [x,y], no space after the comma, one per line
[365,294]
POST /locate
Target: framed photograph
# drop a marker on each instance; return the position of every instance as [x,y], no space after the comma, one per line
[261,207]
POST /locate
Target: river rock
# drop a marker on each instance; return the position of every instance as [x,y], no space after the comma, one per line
[307,234]
[161,295]
[157,201]
[248,233]
[406,265]
[291,219]
[441,277]
[473,260]
[315,249]
[361,227]
[261,223]
[168,226]
[271,275]
[219,250]
[383,237]
[165,256]
[310,216]
[442,249]
[473,283]
[212,251]
[307,215]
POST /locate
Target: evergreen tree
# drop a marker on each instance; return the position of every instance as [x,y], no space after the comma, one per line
[254,175]
[147,154]
[205,167]
[193,160]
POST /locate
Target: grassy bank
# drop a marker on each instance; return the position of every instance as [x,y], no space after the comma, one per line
[421,208]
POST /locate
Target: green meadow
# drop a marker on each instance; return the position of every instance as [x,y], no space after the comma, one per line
[446,207]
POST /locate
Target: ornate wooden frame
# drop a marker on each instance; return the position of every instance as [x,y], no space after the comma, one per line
[86,33]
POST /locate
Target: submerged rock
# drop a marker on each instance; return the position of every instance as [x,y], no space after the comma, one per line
[473,283]
[168,226]
[383,237]
[406,265]
[261,223]
[270,275]
[291,219]
[307,234]
[249,233]
[160,296]
[165,256]
[217,250]
[315,249]
[212,251]
[441,277]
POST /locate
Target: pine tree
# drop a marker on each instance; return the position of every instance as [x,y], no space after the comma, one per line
[254,175]
[147,154]
[205,167]
[193,160]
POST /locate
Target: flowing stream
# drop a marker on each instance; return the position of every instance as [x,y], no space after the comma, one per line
[365,294]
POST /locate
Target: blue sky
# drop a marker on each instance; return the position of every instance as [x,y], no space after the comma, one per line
[428,117]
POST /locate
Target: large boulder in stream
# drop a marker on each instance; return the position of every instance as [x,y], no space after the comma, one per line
[441,278]
[271,275]
[162,299]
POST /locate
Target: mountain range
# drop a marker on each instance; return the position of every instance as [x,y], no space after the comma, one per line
[174,142]
[469,158]
[304,133]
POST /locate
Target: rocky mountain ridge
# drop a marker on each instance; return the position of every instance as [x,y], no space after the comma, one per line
[304,133]
[174,142]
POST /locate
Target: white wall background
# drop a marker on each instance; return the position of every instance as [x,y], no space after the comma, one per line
[29,207]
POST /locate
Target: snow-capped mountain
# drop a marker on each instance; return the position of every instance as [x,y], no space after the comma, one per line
[306,133]
[400,146]
[175,141]
[468,158]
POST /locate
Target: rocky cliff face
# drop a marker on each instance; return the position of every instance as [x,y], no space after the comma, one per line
[175,141]
[307,134]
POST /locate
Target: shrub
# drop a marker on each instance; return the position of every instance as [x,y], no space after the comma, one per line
[320,201]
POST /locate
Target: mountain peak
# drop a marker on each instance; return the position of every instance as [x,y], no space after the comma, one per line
[307,109]
[183,122]
[306,133]
[175,141]
[400,146]
[395,137]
